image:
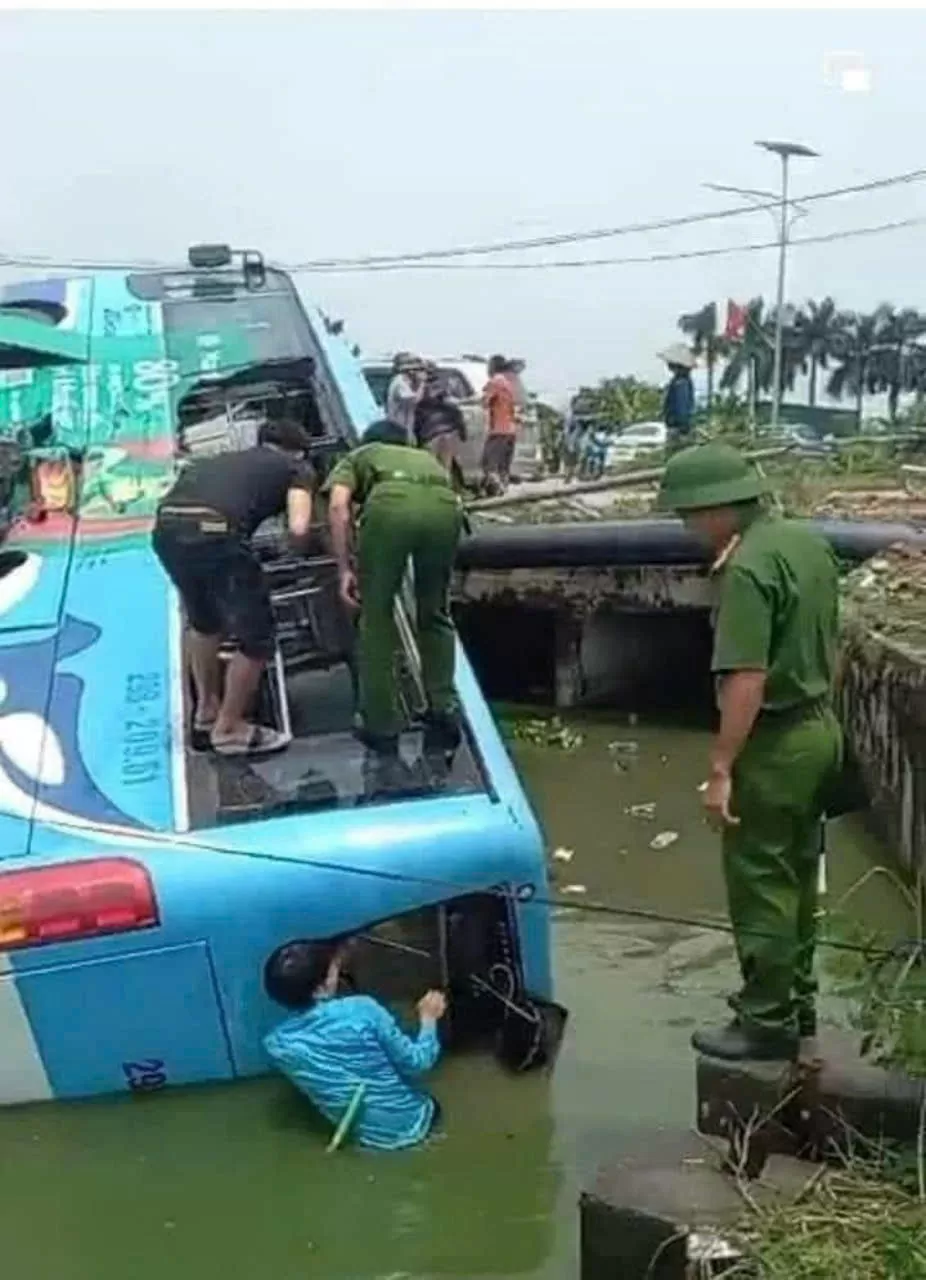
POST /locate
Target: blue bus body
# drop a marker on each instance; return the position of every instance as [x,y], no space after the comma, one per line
[133,937]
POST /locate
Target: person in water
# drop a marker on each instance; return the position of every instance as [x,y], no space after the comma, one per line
[335,1041]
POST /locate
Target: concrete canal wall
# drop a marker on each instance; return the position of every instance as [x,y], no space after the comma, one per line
[632,636]
[883,706]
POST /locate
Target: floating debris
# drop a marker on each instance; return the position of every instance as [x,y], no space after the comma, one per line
[663,840]
[546,733]
[574,888]
[623,755]
[564,855]
[645,811]
[703,787]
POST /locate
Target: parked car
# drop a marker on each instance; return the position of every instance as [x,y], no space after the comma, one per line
[635,441]
[803,440]
[464,378]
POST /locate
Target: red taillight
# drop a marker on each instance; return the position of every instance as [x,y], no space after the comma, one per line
[73,900]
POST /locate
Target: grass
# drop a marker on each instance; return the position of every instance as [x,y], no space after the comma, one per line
[863,1218]
[848,1224]
[886,992]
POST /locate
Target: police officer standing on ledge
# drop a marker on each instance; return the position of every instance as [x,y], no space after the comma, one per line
[202,537]
[407,509]
[777,754]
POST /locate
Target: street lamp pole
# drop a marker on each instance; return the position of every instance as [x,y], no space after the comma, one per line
[785,150]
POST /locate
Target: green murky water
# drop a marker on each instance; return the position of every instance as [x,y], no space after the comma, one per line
[214,1183]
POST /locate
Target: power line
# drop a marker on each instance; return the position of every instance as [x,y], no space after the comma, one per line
[566,263]
[553,264]
[538,242]
[605,233]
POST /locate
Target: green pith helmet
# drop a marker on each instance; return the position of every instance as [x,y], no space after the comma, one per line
[708,475]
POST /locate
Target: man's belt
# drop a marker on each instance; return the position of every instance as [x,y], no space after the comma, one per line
[402,477]
[207,519]
[779,717]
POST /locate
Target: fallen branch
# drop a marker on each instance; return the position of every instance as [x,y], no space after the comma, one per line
[625,481]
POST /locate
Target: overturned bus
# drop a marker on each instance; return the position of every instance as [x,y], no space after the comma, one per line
[144,884]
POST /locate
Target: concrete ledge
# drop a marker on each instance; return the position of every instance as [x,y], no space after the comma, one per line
[652,1212]
[806,1110]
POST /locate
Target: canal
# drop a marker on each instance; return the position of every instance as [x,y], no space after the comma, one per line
[215,1183]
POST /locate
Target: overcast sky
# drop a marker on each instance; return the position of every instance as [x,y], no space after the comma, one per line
[316,134]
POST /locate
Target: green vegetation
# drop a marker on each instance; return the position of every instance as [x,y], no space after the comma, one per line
[862,354]
[850,355]
[883,979]
[849,1223]
[619,402]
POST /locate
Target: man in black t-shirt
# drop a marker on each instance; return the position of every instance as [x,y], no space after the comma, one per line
[440,427]
[202,537]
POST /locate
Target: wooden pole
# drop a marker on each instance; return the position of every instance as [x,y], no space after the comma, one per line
[625,481]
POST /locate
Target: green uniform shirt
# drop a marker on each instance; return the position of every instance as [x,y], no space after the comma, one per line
[778,612]
[371,464]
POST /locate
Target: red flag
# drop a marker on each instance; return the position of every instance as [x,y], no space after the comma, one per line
[737,318]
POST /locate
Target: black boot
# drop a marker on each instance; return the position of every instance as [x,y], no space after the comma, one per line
[442,733]
[381,744]
[807,1024]
[738,1043]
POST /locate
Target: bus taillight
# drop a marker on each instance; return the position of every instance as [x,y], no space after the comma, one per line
[72,900]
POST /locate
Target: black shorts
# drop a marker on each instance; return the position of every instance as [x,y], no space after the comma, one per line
[220,582]
[497,454]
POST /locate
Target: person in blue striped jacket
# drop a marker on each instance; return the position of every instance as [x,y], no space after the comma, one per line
[335,1041]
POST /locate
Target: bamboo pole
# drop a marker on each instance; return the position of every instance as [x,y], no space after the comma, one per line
[625,481]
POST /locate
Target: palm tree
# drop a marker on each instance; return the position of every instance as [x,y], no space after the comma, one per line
[701,328]
[892,359]
[816,331]
[752,356]
[852,350]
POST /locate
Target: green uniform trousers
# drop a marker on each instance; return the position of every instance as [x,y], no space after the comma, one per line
[771,861]
[404,520]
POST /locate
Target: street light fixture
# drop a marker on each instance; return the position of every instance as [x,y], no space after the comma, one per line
[760,198]
[784,150]
[769,201]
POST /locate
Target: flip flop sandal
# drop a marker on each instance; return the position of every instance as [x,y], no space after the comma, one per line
[201,736]
[260,741]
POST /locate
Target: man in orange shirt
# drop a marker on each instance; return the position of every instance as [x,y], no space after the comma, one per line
[499,401]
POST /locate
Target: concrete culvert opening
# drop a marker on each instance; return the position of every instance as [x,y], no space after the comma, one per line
[512,649]
[631,660]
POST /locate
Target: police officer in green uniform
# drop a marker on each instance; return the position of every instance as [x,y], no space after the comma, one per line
[407,510]
[778,748]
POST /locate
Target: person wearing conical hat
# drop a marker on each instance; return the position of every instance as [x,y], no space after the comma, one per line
[778,749]
[678,406]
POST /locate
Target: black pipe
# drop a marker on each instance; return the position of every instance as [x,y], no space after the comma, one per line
[646,542]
